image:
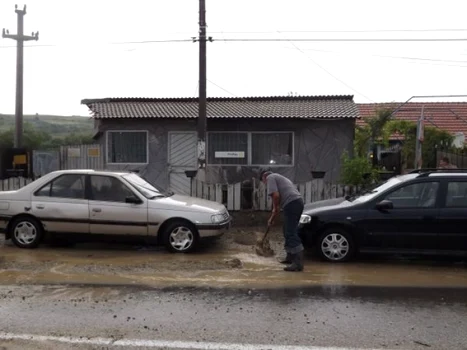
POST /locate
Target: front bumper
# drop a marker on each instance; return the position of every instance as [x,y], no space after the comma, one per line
[214,230]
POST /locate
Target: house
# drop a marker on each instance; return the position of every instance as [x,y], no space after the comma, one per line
[290,135]
[448,116]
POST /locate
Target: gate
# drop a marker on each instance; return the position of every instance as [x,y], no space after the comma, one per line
[183,155]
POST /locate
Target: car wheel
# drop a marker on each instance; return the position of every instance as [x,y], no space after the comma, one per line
[336,245]
[181,237]
[26,232]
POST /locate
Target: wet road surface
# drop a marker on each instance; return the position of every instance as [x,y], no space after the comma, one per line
[61,317]
[104,265]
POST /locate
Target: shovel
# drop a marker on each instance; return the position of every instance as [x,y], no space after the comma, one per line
[263,247]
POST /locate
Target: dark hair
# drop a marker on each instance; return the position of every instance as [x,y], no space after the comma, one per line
[445,159]
[262,173]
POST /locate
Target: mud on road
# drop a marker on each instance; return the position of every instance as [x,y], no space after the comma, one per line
[230,261]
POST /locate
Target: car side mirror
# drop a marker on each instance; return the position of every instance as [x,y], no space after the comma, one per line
[133,200]
[384,205]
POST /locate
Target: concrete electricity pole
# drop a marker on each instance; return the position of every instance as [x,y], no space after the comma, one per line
[20,39]
[202,109]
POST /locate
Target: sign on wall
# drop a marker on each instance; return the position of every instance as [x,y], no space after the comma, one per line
[229,154]
[74,152]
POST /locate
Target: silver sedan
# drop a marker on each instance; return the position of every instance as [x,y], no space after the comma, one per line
[102,204]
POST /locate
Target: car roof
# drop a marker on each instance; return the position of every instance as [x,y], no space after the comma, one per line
[91,171]
[447,173]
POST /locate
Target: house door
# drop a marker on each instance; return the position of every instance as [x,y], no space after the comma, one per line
[183,155]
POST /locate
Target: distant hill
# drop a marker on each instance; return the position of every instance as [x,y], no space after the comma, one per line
[58,126]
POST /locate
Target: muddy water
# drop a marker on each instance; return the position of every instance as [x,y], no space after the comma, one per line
[233,267]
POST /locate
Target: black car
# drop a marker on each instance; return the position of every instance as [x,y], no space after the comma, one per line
[420,212]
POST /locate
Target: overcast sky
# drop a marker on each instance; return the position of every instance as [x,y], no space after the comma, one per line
[83,50]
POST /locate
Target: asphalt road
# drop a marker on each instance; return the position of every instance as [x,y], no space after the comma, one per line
[107,317]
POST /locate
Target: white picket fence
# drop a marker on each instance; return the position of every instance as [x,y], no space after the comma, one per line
[14,183]
[235,196]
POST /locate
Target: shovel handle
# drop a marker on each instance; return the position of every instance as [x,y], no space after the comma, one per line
[265,234]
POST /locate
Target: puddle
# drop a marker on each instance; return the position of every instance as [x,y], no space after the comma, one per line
[234,266]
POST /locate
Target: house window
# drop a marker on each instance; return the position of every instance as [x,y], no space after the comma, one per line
[272,148]
[127,147]
[250,148]
[229,148]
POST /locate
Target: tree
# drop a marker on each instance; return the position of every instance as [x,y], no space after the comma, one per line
[374,132]
[433,139]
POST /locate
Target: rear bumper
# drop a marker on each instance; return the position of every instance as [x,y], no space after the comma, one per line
[213,230]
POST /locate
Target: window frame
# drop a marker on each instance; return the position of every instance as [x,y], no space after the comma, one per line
[107,134]
[49,183]
[439,194]
[250,149]
[91,193]
[446,193]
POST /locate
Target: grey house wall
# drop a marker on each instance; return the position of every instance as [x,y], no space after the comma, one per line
[318,145]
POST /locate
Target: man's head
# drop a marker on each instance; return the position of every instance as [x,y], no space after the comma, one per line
[263,175]
[444,162]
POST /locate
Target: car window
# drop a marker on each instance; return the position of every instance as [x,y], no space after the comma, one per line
[109,189]
[456,196]
[65,186]
[418,195]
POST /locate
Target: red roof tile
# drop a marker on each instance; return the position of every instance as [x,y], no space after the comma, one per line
[449,116]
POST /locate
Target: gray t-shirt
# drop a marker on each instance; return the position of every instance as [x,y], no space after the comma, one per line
[285,187]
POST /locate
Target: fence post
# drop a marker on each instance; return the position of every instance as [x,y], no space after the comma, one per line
[218,193]
[230,197]
[237,196]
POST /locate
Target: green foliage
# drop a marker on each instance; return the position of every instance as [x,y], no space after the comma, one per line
[433,139]
[357,171]
[37,139]
[374,132]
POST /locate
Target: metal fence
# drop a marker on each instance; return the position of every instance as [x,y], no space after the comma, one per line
[81,157]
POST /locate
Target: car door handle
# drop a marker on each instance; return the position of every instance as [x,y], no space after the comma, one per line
[96,210]
[40,206]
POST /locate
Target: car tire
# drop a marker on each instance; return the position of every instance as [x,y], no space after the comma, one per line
[181,237]
[26,232]
[336,245]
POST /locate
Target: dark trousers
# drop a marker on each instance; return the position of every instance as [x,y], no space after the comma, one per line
[292,213]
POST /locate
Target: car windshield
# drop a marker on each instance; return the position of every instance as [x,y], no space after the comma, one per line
[370,192]
[145,188]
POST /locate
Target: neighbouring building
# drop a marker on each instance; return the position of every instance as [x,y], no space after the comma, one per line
[447,116]
[291,135]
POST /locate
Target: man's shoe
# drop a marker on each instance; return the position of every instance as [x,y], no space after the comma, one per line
[297,263]
[288,259]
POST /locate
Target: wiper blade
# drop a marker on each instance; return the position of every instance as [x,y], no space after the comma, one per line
[157,196]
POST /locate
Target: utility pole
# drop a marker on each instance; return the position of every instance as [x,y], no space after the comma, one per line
[20,39]
[202,110]
[419,141]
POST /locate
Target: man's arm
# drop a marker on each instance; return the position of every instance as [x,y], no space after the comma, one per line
[275,196]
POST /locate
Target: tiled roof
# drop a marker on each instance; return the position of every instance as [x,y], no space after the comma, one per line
[449,116]
[249,107]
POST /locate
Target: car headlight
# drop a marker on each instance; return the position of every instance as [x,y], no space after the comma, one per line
[217,218]
[305,219]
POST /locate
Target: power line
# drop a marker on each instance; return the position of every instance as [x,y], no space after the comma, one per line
[332,75]
[345,40]
[269,40]
[416,59]
[344,31]
[112,43]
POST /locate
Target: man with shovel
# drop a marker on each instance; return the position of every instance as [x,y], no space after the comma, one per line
[284,195]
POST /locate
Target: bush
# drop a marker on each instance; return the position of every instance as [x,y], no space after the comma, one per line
[357,171]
